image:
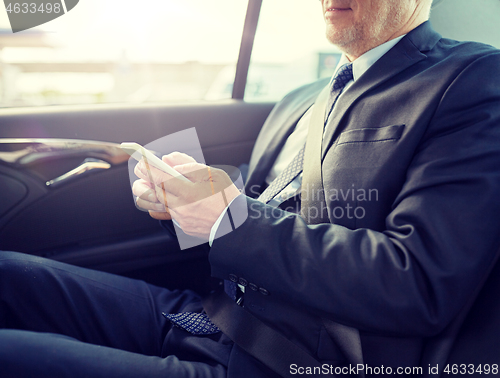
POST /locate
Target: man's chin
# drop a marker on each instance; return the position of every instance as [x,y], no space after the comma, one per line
[341,39]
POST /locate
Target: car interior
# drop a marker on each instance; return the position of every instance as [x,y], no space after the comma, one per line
[64,181]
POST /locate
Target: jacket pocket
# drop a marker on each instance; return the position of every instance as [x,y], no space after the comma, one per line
[370,135]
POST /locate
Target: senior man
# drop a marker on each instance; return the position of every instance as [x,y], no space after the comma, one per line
[406,136]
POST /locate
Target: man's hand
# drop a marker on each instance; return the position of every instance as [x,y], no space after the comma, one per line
[195,205]
[147,200]
[145,190]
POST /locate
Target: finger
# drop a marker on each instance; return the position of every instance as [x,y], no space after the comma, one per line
[202,186]
[196,173]
[177,158]
[163,195]
[146,196]
[159,215]
[138,171]
[147,205]
[150,173]
[200,173]
[145,190]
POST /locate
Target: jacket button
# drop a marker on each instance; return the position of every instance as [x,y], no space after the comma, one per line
[263,291]
[253,286]
[233,278]
[243,282]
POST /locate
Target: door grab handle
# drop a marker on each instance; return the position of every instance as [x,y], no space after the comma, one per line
[28,151]
[87,165]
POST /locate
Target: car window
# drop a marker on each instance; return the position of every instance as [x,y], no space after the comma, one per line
[121,51]
[290,49]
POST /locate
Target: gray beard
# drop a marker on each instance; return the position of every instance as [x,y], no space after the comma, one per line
[359,38]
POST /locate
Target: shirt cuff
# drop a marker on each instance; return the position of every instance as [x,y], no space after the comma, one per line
[215,227]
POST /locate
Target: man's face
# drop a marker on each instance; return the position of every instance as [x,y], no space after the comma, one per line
[356,26]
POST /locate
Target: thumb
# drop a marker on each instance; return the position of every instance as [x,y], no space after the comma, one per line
[177,158]
[195,172]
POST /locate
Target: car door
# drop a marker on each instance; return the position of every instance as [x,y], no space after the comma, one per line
[65,183]
[86,215]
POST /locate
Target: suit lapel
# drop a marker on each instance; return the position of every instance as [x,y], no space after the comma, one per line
[405,54]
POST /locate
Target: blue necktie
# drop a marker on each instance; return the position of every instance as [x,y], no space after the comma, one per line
[343,76]
[199,323]
[284,178]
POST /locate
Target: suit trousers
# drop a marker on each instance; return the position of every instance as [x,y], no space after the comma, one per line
[58,320]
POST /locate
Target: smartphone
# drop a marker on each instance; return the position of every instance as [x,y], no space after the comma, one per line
[139,152]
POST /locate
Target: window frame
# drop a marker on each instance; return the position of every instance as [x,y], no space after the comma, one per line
[246,47]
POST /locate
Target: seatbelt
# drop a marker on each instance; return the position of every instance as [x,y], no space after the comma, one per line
[311,169]
[347,338]
[256,338]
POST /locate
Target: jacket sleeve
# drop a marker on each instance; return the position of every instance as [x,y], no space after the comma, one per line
[440,239]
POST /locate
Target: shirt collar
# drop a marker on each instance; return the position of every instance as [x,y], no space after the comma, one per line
[365,61]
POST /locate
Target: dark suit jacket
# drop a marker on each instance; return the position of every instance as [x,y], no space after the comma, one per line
[414,145]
